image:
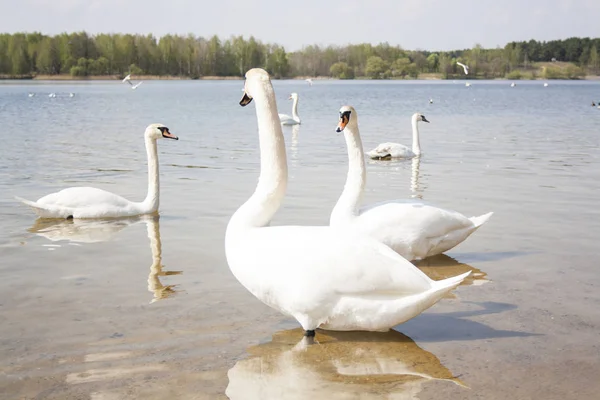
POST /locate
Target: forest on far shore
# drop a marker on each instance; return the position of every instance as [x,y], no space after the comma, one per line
[79,54]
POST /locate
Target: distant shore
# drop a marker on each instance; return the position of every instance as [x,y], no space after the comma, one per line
[424,76]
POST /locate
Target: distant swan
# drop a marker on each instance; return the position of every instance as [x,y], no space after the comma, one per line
[545,84]
[513,84]
[89,202]
[321,276]
[295,118]
[52,95]
[413,229]
[309,81]
[396,150]
[31,94]
[467,84]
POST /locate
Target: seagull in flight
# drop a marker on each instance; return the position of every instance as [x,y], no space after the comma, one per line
[128,80]
[466,68]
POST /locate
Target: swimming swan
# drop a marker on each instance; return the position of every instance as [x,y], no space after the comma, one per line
[413,229]
[396,150]
[89,202]
[294,119]
[321,276]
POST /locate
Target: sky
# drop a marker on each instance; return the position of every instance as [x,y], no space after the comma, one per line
[412,24]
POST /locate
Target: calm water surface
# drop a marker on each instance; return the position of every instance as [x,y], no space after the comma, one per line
[147,307]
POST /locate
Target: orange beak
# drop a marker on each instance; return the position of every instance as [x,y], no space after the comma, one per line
[343,122]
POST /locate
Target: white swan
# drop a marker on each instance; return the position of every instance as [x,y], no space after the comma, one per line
[513,84]
[322,276]
[89,202]
[545,84]
[413,229]
[52,95]
[295,118]
[396,150]
[467,84]
[309,81]
[465,67]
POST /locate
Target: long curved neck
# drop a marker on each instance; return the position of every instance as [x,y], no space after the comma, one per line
[295,115]
[260,208]
[416,145]
[152,198]
[348,204]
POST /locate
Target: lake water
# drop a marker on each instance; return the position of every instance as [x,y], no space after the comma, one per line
[147,308]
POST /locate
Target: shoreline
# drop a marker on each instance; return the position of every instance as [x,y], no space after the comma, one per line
[424,77]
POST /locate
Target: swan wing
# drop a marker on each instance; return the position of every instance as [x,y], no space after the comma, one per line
[319,274]
[84,202]
[416,229]
[395,150]
[316,262]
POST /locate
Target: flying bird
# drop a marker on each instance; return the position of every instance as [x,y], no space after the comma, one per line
[466,68]
[128,80]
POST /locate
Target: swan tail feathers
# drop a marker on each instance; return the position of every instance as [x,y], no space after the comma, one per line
[478,221]
[45,211]
[445,285]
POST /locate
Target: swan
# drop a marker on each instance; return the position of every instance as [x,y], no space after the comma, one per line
[545,84]
[321,276]
[467,84]
[295,118]
[465,68]
[513,84]
[31,95]
[413,229]
[52,95]
[396,150]
[89,202]
[309,81]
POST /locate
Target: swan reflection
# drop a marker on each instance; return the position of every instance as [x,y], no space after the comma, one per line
[95,231]
[155,286]
[415,189]
[294,145]
[341,365]
[443,266]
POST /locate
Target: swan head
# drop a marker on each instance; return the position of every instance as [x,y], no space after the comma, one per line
[293,96]
[253,77]
[419,117]
[348,116]
[159,131]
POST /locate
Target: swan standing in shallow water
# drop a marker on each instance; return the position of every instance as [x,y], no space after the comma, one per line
[89,202]
[395,150]
[413,229]
[321,276]
[295,118]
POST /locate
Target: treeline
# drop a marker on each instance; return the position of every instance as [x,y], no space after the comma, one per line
[81,54]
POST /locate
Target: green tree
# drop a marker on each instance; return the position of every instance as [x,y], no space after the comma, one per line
[341,70]
[376,67]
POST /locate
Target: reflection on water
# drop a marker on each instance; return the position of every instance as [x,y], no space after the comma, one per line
[155,286]
[443,266]
[293,151]
[95,231]
[342,364]
[80,230]
[415,189]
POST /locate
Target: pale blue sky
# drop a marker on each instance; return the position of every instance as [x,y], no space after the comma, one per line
[413,24]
